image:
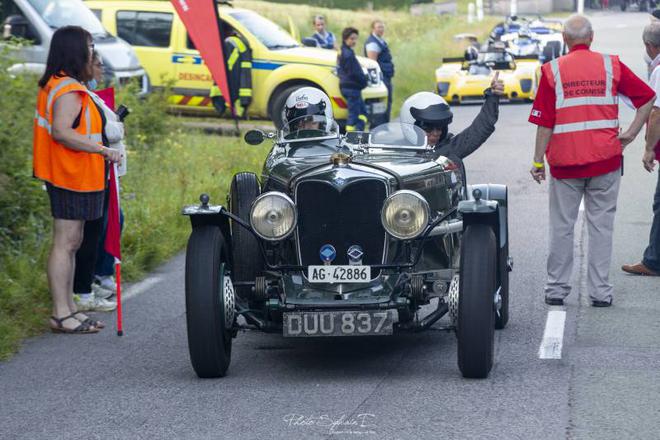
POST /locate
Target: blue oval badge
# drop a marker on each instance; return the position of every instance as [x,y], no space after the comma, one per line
[328,253]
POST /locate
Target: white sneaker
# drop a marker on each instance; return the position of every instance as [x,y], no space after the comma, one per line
[107,284]
[100,292]
[94,304]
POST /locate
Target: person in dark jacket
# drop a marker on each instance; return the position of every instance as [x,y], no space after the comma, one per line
[377,49]
[352,80]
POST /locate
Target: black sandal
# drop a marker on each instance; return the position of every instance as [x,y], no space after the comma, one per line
[89,321]
[81,329]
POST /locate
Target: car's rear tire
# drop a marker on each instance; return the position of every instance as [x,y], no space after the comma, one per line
[279,99]
[476,314]
[551,51]
[502,316]
[209,302]
[247,259]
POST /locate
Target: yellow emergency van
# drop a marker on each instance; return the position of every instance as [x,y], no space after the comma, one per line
[280,64]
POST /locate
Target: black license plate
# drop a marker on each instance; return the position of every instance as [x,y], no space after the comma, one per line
[338,323]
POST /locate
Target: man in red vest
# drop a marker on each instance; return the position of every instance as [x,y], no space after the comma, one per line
[577,113]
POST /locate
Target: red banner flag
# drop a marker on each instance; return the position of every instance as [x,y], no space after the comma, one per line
[113,233]
[108,96]
[112,243]
[200,17]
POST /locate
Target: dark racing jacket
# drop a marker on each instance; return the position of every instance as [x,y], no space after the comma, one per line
[457,147]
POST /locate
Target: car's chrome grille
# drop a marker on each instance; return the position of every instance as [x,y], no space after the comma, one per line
[343,218]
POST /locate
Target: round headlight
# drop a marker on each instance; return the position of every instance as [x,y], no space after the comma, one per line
[273,216]
[405,214]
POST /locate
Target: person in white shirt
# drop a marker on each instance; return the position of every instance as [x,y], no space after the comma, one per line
[91,255]
[377,49]
[650,264]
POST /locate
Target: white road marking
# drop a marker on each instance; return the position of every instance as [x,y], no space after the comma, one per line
[553,336]
[582,205]
[621,26]
[141,287]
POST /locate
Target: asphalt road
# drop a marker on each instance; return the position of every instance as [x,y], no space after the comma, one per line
[605,386]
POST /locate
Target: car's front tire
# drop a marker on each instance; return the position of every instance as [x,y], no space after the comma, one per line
[551,51]
[502,316]
[476,314]
[210,308]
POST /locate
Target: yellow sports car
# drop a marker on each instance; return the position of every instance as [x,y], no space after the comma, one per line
[460,80]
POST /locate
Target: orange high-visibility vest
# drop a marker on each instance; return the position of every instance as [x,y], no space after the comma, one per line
[55,163]
[587,108]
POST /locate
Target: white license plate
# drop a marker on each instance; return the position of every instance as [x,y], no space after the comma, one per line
[341,323]
[378,107]
[339,274]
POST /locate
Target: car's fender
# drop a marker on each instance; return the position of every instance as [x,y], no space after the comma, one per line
[491,208]
[205,214]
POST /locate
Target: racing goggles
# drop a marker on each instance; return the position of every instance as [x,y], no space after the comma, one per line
[431,126]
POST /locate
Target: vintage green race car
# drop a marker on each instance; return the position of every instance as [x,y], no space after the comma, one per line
[348,236]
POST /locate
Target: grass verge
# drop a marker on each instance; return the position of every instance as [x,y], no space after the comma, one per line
[160,181]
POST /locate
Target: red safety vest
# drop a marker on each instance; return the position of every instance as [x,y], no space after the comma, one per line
[53,162]
[587,108]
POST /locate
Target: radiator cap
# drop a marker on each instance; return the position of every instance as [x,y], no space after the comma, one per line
[340,159]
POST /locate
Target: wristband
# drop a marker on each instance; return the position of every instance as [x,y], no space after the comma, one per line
[538,164]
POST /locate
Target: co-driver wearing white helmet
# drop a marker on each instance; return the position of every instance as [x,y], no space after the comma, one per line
[432,114]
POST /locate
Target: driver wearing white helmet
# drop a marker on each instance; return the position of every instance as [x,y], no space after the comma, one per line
[307,112]
[432,114]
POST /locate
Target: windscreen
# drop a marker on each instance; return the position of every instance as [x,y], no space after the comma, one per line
[397,134]
[479,69]
[495,57]
[59,13]
[271,35]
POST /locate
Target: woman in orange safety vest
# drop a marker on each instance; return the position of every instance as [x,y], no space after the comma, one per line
[69,157]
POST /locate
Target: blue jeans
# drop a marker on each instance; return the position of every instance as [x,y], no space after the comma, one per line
[105,263]
[390,89]
[652,252]
[357,110]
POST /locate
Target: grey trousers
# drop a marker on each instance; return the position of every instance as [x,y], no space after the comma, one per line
[600,195]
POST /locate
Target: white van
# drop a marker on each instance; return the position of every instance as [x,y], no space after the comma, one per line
[36,20]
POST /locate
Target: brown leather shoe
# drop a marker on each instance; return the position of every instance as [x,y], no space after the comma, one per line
[638,269]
